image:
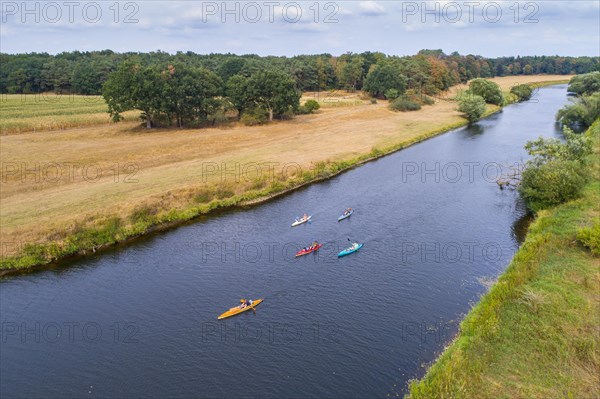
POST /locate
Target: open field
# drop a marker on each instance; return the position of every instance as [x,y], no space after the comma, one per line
[56,184]
[40,112]
[535,334]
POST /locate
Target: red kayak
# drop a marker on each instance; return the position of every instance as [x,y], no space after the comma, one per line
[308,251]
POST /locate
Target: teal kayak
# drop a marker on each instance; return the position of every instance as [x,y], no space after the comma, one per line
[355,247]
[346,215]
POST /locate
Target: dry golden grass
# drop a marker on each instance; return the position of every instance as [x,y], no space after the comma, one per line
[169,163]
[21,113]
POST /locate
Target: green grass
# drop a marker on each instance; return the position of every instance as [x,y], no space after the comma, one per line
[21,113]
[535,334]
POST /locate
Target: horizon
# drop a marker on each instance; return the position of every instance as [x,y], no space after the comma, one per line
[449,53]
[491,29]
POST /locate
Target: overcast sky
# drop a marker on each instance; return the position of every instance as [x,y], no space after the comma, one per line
[488,28]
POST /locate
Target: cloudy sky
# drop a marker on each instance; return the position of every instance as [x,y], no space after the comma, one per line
[489,28]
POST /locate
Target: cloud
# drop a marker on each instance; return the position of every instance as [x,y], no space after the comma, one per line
[371,8]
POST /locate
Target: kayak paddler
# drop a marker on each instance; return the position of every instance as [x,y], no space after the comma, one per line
[245,303]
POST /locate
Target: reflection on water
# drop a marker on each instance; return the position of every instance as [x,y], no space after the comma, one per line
[521,225]
[472,131]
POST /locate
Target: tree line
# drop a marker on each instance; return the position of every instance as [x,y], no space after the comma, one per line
[429,71]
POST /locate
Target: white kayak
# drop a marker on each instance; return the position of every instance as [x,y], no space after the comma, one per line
[298,222]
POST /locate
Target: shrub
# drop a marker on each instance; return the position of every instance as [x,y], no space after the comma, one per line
[588,83]
[142,214]
[373,101]
[391,94]
[309,107]
[222,193]
[254,116]
[581,113]
[404,104]
[590,237]
[426,100]
[312,105]
[552,183]
[218,117]
[472,106]
[203,196]
[487,89]
[522,92]
[576,148]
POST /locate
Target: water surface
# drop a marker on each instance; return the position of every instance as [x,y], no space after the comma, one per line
[140,320]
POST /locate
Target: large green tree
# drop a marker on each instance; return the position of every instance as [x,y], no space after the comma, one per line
[351,71]
[275,91]
[382,78]
[134,87]
[473,107]
[490,91]
[189,93]
[236,90]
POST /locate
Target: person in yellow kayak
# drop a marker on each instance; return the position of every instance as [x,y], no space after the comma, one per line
[245,303]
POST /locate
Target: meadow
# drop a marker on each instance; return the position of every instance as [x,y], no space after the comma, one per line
[23,113]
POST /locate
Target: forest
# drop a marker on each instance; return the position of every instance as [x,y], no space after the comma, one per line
[429,71]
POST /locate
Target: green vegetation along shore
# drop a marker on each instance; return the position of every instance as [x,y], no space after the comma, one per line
[535,333]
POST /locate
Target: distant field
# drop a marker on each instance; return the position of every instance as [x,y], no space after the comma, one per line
[122,167]
[21,113]
[336,98]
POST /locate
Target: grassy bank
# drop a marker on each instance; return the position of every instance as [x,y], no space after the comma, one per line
[535,334]
[50,218]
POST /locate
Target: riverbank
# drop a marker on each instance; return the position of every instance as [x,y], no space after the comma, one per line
[535,334]
[159,179]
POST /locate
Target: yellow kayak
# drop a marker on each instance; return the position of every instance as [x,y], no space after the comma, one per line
[238,310]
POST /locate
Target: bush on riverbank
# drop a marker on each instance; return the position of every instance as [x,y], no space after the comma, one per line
[586,108]
[590,237]
[582,113]
[557,171]
[522,92]
[488,90]
[472,106]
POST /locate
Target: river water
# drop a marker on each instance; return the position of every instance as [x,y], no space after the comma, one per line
[141,319]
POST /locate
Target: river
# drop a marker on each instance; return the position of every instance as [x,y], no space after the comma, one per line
[141,319]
